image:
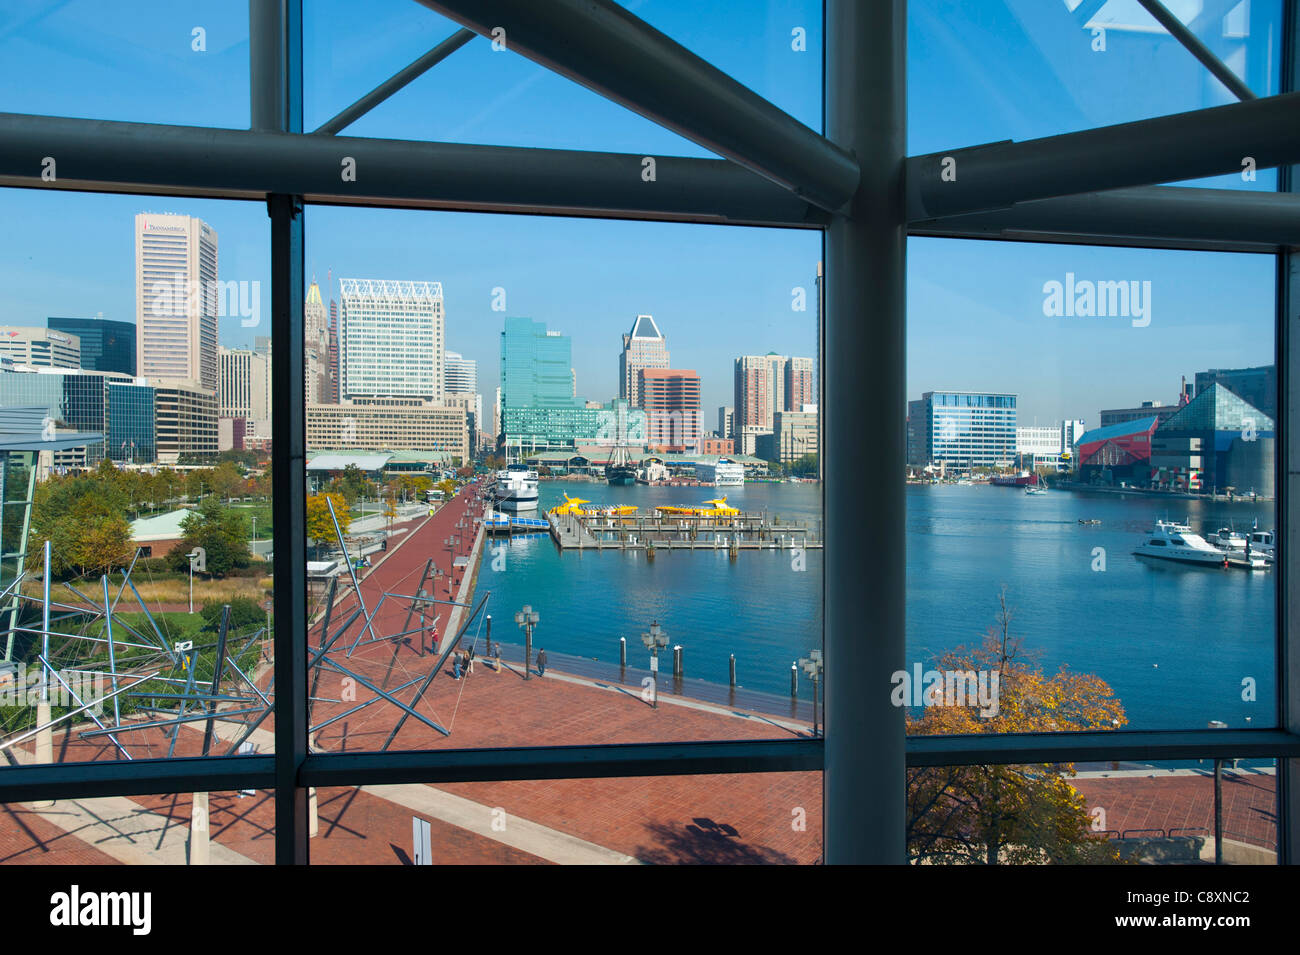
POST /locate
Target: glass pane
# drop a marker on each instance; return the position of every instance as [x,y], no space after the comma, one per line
[1094,814]
[494,96]
[539,420]
[149,61]
[1089,475]
[1021,69]
[218,828]
[760,819]
[135,434]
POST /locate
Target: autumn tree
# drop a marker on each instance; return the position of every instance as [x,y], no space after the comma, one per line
[320,528]
[1021,814]
[222,533]
[83,519]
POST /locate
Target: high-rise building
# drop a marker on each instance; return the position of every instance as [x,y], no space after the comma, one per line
[245,388]
[390,340]
[726,423]
[177,298]
[965,429]
[40,347]
[105,345]
[388,425]
[794,434]
[759,394]
[316,346]
[800,384]
[460,381]
[71,399]
[334,352]
[131,435]
[643,347]
[671,400]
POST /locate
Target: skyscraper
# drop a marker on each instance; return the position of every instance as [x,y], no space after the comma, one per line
[245,388]
[390,340]
[177,298]
[460,381]
[315,362]
[671,399]
[334,352]
[644,347]
[800,385]
[105,345]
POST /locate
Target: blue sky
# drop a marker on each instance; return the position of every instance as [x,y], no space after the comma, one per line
[977,73]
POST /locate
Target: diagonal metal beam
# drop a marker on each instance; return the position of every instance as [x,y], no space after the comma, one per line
[1192,145]
[1194,46]
[1165,216]
[602,46]
[394,83]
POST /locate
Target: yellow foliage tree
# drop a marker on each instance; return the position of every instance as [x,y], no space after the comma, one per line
[1026,814]
[320,529]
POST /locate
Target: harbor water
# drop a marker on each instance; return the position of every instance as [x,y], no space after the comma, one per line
[1176,643]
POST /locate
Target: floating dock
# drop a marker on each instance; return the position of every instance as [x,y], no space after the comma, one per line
[679,532]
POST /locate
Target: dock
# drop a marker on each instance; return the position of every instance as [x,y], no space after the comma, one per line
[679,532]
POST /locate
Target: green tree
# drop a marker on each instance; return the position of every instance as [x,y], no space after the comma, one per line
[226,480]
[83,519]
[246,614]
[222,533]
[352,484]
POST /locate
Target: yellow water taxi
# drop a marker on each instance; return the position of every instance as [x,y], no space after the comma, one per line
[576,505]
[717,507]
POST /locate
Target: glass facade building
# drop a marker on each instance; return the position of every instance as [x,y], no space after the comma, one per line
[105,345]
[967,429]
[130,432]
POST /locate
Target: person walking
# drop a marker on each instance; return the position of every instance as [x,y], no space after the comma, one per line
[496,654]
[455,664]
[469,661]
[541,663]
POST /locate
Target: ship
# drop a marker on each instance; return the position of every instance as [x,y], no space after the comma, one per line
[620,471]
[516,488]
[1023,479]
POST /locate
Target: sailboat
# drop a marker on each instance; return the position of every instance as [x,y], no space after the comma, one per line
[620,471]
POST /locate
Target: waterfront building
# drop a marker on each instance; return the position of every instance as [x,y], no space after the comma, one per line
[177,298]
[671,400]
[39,347]
[1215,441]
[105,345]
[316,346]
[643,347]
[1117,453]
[720,446]
[759,385]
[794,434]
[390,340]
[918,433]
[1256,386]
[245,389]
[389,424]
[967,429]
[186,421]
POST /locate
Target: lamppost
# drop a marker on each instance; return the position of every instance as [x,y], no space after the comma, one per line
[451,543]
[527,619]
[655,641]
[812,665]
[192,555]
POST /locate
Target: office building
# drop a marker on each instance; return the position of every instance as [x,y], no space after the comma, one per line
[643,347]
[800,384]
[964,429]
[334,352]
[460,378]
[245,389]
[40,347]
[177,298]
[671,401]
[388,425]
[71,399]
[794,435]
[105,345]
[390,340]
[186,422]
[726,422]
[131,429]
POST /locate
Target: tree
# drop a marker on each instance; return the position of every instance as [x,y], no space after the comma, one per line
[82,518]
[226,480]
[320,529]
[245,614]
[448,488]
[352,484]
[222,533]
[1008,814]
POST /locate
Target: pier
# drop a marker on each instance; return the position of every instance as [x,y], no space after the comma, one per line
[680,532]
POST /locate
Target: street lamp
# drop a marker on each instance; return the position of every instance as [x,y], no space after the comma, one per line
[812,665]
[655,641]
[527,619]
[192,555]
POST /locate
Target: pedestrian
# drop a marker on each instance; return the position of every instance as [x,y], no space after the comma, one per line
[541,663]
[455,664]
[469,660]
[496,653]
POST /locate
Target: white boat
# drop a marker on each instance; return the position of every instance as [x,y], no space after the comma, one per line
[516,488]
[1035,489]
[1169,540]
[1225,538]
[1264,543]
